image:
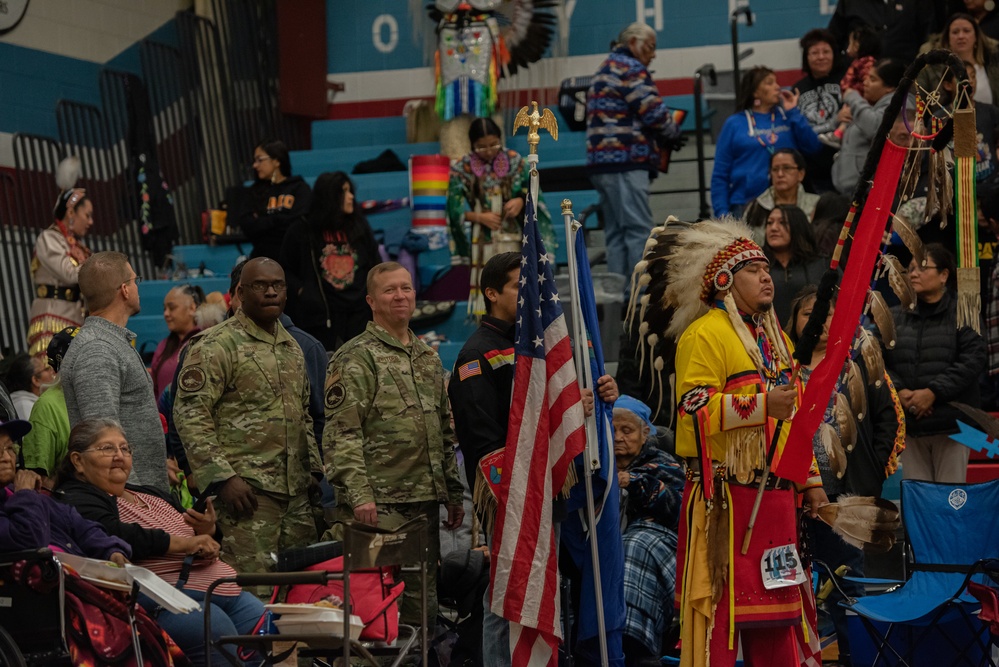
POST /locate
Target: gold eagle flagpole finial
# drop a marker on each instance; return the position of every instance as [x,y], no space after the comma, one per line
[535,121]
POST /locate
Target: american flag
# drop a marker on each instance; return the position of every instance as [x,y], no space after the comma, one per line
[545,433]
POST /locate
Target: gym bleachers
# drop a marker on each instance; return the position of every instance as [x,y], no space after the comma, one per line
[338,145]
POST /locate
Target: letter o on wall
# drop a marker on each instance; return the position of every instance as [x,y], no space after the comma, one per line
[381,21]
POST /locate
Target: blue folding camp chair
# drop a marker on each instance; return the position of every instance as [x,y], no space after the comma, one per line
[952,531]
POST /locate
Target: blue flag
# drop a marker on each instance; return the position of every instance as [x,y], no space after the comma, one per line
[606,495]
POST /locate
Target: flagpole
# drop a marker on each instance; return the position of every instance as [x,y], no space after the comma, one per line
[591,460]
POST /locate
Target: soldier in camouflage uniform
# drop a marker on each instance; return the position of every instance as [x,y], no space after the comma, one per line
[388,439]
[242,411]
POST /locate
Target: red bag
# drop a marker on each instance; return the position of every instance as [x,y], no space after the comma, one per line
[373,596]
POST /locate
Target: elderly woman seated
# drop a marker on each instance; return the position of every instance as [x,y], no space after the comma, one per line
[181,546]
[651,482]
[30,519]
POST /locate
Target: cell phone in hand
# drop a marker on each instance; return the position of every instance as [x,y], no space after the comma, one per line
[201,504]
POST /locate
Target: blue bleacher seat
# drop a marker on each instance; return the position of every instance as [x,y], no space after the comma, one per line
[316,161]
[358,132]
[217,259]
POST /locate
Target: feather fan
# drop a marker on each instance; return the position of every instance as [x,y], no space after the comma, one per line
[854,382]
[898,281]
[870,351]
[988,423]
[882,316]
[847,423]
[833,447]
[863,521]
[910,238]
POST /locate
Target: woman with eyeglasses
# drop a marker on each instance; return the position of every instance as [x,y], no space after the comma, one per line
[30,518]
[275,200]
[787,173]
[326,258]
[59,253]
[933,363]
[486,193]
[179,306]
[181,546]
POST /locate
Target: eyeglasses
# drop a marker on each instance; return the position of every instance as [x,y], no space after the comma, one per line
[261,158]
[135,279]
[46,369]
[109,450]
[9,449]
[921,269]
[780,169]
[486,149]
[260,286]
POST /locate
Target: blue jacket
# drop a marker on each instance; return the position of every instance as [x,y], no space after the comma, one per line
[624,113]
[742,163]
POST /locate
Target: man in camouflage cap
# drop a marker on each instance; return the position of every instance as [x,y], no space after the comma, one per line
[388,438]
[242,412]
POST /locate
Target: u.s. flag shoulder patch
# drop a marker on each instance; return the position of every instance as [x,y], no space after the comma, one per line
[471,369]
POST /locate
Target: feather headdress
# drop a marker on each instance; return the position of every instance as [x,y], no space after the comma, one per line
[703,259]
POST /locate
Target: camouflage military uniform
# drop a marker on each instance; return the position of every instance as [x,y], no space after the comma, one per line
[242,408]
[388,438]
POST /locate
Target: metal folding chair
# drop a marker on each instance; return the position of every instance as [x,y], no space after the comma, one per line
[364,548]
[951,531]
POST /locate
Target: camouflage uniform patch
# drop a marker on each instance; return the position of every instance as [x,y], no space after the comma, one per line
[192,379]
[250,417]
[335,392]
[388,437]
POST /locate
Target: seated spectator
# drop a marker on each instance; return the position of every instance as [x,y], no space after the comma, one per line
[45,446]
[30,519]
[866,112]
[767,119]
[933,363]
[182,547]
[179,307]
[787,172]
[25,378]
[820,99]
[277,198]
[794,260]
[962,35]
[651,483]
[326,258]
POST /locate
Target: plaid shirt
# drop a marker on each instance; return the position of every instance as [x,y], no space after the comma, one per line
[653,507]
[649,582]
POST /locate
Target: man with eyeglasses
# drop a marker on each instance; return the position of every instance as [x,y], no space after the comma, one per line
[624,118]
[103,374]
[242,412]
